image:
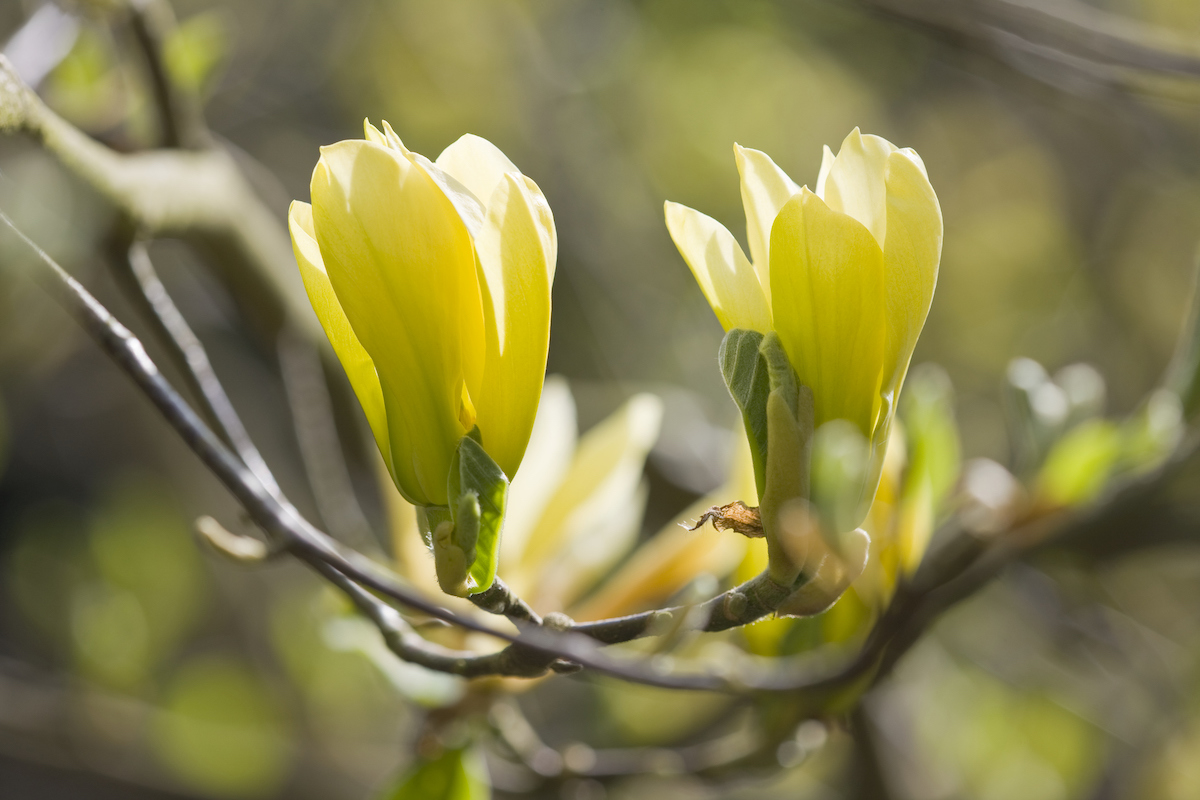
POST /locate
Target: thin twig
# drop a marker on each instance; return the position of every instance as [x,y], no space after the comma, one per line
[188,352]
[401,639]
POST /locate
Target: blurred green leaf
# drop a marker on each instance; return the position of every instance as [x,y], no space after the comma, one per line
[220,732]
[111,635]
[1153,431]
[927,410]
[142,547]
[745,373]
[457,774]
[473,470]
[88,86]
[1080,463]
[195,49]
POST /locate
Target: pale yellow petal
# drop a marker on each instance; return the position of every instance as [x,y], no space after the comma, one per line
[674,556]
[765,188]
[547,458]
[477,164]
[355,361]
[401,262]
[516,273]
[855,182]
[827,158]
[911,254]
[393,141]
[468,205]
[606,471]
[827,275]
[720,267]
[916,159]
[590,554]
[373,134]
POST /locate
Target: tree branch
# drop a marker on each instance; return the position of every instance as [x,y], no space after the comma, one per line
[187,351]
[181,122]
[915,607]
[200,196]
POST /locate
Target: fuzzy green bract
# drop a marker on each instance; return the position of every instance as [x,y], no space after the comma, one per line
[745,373]
[477,488]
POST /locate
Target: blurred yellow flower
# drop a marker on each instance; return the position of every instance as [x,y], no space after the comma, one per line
[432,281]
[844,276]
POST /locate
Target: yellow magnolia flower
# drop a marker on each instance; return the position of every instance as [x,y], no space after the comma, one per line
[845,275]
[432,280]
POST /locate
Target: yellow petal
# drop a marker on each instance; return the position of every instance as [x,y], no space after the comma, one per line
[516,268]
[855,182]
[916,159]
[827,159]
[765,188]
[401,262]
[674,556]
[393,141]
[355,361]
[827,280]
[603,478]
[547,458]
[469,206]
[477,164]
[911,254]
[720,267]
[373,134]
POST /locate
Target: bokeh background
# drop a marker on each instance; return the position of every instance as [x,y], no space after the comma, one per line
[133,664]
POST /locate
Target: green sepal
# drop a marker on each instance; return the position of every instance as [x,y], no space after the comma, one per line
[780,375]
[789,437]
[745,373]
[477,490]
[449,561]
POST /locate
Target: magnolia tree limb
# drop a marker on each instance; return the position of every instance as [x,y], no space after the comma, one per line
[200,196]
[940,584]
[284,524]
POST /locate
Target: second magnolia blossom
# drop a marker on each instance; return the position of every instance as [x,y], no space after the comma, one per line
[844,275]
[432,280]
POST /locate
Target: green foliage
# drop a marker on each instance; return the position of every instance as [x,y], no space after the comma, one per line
[220,731]
[745,373]
[931,434]
[120,601]
[1080,463]
[195,49]
[457,774]
[1153,431]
